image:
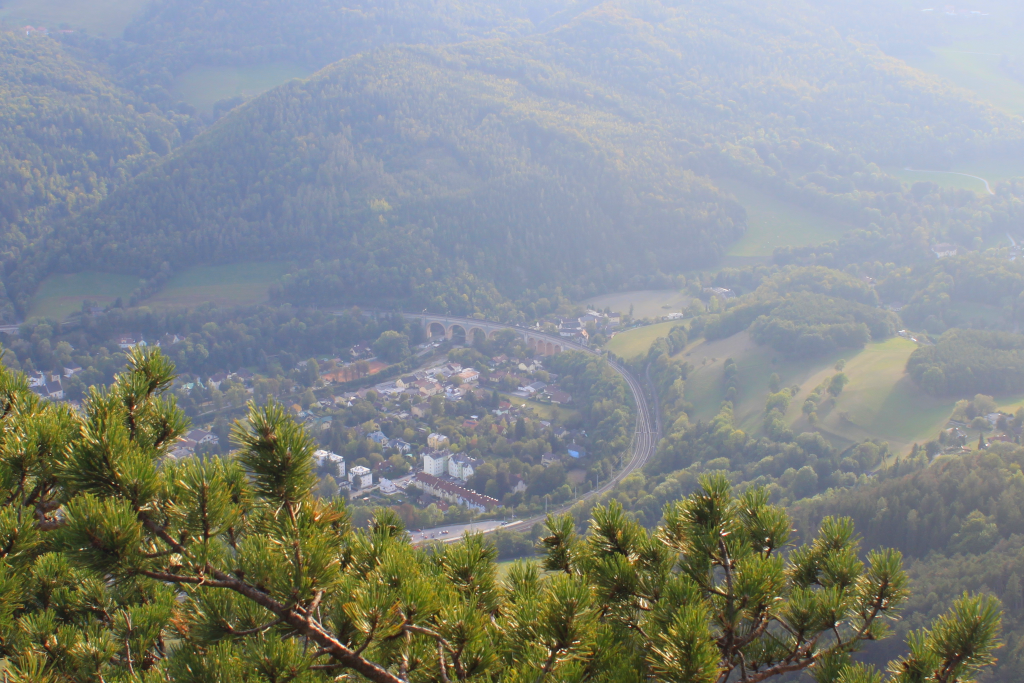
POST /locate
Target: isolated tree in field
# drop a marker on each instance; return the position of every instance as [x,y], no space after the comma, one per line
[837,384]
[119,565]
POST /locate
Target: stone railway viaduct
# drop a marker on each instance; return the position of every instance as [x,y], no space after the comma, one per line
[448,327]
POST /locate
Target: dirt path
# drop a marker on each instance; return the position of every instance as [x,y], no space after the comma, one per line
[966,175]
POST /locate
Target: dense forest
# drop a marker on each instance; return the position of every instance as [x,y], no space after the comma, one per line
[578,145]
[68,137]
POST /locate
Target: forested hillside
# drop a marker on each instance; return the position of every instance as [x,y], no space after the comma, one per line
[67,138]
[577,154]
[961,524]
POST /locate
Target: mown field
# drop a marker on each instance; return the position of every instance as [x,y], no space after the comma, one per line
[974,66]
[237,284]
[879,402]
[774,222]
[106,18]
[649,303]
[637,342]
[61,295]
[203,86]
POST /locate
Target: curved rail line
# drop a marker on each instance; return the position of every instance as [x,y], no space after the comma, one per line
[645,436]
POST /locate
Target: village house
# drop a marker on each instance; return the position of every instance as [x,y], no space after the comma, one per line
[437,441]
[944,249]
[469,375]
[720,292]
[54,390]
[462,466]
[559,397]
[387,486]
[378,437]
[72,370]
[549,459]
[399,445]
[130,341]
[200,437]
[517,483]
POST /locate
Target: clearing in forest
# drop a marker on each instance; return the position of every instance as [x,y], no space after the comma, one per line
[773,222]
[648,303]
[637,342]
[236,284]
[204,86]
[880,401]
[58,296]
[106,18]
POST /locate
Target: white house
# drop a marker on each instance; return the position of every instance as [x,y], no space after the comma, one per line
[462,466]
[387,486]
[201,437]
[944,249]
[362,475]
[323,456]
[436,462]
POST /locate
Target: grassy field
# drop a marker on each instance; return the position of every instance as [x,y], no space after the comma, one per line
[992,170]
[773,222]
[106,18]
[650,303]
[637,342]
[60,295]
[203,86]
[237,284]
[974,66]
[879,402]
[705,387]
[543,411]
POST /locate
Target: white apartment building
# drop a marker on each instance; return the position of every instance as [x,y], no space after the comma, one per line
[436,462]
[362,475]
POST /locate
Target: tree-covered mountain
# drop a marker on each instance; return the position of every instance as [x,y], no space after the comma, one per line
[68,137]
[569,156]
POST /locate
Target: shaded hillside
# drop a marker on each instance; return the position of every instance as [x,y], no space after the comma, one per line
[434,160]
[960,523]
[67,137]
[570,157]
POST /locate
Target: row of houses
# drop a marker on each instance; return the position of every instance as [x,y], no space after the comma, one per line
[453,493]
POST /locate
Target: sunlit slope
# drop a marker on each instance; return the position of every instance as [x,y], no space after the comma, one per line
[880,401]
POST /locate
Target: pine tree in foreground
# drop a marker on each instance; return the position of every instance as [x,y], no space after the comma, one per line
[117,565]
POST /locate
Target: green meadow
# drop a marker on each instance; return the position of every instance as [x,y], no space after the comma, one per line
[974,66]
[649,303]
[236,284]
[203,86]
[107,18]
[637,342]
[773,222]
[880,401]
[61,295]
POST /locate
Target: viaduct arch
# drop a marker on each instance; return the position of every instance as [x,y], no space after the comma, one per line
[447,327]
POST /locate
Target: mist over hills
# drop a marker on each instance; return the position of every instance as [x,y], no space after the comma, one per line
[570,156]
